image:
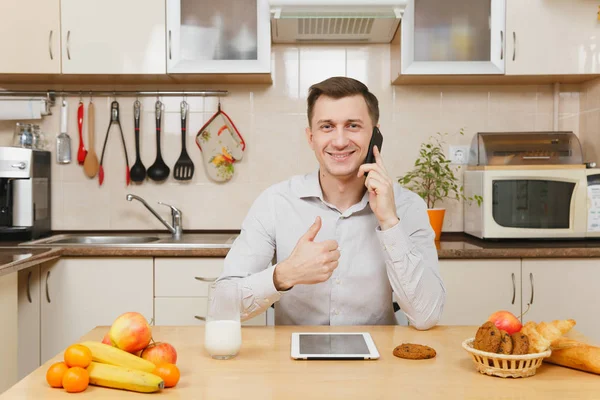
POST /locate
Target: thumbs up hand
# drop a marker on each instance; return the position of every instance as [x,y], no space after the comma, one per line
[310,262]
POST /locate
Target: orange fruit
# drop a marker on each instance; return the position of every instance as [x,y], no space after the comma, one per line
[55,374]
[169,373]
[78,355]
[76,380]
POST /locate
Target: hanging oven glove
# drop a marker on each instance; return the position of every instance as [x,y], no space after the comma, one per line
[221,145]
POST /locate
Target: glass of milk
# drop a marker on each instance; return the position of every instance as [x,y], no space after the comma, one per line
[223,331]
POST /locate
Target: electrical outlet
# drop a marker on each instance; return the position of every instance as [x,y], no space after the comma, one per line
[459,154]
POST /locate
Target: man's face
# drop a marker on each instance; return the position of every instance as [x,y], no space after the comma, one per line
[340,134]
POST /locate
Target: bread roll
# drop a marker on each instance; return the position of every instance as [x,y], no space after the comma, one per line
[577,355]
[555,329]
[537,342]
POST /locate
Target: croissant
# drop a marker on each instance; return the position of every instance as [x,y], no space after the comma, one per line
[543,334]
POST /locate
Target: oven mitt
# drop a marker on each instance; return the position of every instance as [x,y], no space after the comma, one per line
[221,145]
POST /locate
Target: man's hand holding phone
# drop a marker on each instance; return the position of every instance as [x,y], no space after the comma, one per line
[381,191]
[310,262]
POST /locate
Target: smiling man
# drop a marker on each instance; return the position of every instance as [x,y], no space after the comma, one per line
[342,242]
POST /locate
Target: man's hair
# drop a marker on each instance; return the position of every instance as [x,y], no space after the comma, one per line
[338,87]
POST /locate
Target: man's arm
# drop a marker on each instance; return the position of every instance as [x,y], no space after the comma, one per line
[249,258]
[412,266]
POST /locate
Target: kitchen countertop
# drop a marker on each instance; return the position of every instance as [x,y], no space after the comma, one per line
[264,370]
[451,246]
[15,258]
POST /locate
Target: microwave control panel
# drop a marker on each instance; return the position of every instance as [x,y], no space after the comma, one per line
[593,193]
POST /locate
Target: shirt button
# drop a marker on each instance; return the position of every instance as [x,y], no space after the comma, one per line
[336,312]
[337,281]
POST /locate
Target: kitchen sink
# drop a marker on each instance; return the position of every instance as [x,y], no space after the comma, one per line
[188,240]
[103,240]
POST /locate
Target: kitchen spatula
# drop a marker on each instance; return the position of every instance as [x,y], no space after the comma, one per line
[184,167]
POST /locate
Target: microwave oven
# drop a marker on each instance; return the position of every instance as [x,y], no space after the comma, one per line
[549,201]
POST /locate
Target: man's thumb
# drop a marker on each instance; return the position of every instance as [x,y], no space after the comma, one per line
[313,230]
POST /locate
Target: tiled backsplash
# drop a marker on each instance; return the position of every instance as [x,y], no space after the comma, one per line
[272,119]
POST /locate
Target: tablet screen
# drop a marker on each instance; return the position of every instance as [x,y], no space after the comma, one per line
[333,344]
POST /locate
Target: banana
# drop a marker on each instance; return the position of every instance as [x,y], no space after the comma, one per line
[115,377]
[106,354]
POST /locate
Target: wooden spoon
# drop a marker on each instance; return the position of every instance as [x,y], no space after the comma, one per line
[90,164]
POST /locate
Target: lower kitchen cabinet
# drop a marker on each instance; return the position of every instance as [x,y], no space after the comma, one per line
[563,289]
[8,330]
[29,320]
[79,294]
[189,311]
[477,288]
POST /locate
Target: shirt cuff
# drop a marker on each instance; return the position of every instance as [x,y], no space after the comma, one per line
[395,242]
[262,287]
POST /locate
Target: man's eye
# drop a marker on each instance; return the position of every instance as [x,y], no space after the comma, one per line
[354,126]
[326,126]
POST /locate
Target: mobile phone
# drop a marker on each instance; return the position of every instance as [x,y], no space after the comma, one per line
[376,140]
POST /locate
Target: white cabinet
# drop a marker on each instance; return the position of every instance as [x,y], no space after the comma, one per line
[30,36]
[453,37]
[477,288]
[8,330]
[29,320]
[218,37]
[563,289]
[181,289]
[79,294]
[113,37]
[552,37]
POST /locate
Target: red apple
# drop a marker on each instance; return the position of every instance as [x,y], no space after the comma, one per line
[130,332]
[106,339]
[506,321]
[159,353]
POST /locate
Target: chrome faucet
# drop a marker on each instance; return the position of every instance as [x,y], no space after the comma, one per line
[176,228]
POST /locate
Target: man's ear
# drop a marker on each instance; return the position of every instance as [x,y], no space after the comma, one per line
[309,137]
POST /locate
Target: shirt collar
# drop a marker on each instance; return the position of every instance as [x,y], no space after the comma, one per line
[310,186]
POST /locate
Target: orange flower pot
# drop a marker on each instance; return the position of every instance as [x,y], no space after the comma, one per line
[436,219]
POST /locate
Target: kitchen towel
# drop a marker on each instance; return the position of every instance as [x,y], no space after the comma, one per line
[221,145]
[22,109]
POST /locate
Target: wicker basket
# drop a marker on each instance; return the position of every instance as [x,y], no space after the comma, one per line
[505,365]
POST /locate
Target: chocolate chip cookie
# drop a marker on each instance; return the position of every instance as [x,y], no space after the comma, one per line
[488,338]
[414,351]
[506,344]
[520,343]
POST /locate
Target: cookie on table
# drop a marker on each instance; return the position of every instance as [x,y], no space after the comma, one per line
[412,351]
[506,344]
[488,338]
[520,343]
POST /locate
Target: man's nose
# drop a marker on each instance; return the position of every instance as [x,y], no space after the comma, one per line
[340,139]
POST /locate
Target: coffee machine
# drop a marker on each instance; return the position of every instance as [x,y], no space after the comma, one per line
[25,200]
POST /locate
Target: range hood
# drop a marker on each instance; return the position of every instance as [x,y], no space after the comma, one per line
[331,21]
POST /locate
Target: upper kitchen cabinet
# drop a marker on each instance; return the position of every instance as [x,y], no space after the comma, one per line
[224,37]
[456,37]
[552,37]
[112,36]
[30,37]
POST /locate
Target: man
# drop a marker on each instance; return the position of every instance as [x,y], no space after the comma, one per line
[342,242]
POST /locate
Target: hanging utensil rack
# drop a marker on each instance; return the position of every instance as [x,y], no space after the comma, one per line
[51,95]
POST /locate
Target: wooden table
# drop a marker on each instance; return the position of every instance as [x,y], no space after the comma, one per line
[264,370]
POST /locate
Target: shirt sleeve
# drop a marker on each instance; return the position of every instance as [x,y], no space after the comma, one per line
[249,258]
[412,266]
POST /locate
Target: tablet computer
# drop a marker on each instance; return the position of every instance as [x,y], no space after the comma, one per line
[333,346]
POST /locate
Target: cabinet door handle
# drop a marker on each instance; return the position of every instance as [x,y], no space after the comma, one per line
[50,45]
[199,278]
[47,291]
[200,318]
[170,58]
[69,45]
[20,165]
[29,287]
[501,45]
[531,280]
[514,46]
[514,288]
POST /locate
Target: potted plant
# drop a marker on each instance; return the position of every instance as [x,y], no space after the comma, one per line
[434,180]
